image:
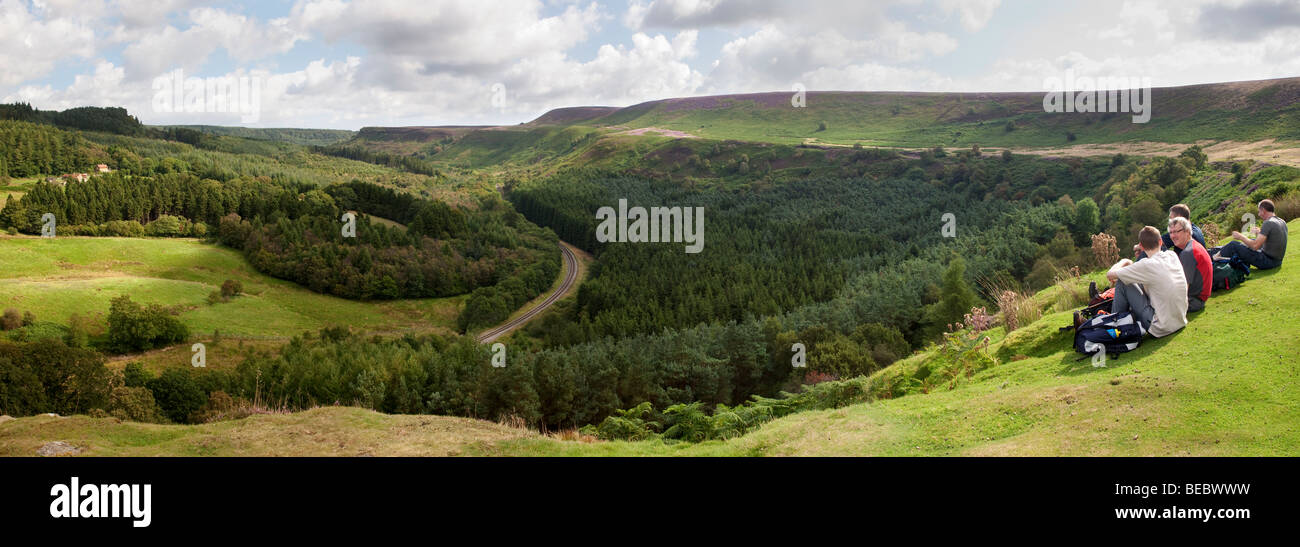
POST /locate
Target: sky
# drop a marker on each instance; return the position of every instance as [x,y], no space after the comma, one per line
[347,64]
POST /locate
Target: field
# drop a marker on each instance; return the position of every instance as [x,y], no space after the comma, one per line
[58,277]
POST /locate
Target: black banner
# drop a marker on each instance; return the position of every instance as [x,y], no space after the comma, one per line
[320,496]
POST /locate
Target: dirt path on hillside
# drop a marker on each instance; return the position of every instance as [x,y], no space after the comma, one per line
[1268,150]
[661,131]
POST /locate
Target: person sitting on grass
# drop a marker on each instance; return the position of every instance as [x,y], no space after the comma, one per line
[1153,290]
[1197,266]
[1268,247]
[1166,241]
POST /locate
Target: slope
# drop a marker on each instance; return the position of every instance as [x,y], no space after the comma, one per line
[58,277]
[1223,386]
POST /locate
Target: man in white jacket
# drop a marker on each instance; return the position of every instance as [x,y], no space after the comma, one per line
[1154,289]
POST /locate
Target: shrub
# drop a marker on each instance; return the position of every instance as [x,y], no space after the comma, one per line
[134,375]
[633,424]
[1017,309]
[885,344]
[688,422]
[231,288]
[1287,207]
[134,404]
[132,327]
[1213,234]
[177,394]
[49,376]
[840,357]
[11,320]
[1104,250]
[80,329]
[979,320]
[166,225]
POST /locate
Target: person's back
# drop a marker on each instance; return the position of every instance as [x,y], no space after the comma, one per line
[1275,230]
[1161,277]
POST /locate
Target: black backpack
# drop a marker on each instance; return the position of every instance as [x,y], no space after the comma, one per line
[1112,332]
[1229,273]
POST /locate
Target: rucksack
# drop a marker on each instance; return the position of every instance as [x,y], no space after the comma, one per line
[1112,333]
[1229,273]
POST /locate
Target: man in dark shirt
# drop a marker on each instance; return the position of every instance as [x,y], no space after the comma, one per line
[1178,211]
[1267,248]
[1196,263]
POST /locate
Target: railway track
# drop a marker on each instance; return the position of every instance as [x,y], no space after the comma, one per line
[571,277]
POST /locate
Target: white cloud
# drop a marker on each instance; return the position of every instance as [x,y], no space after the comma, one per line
[774,58]
[974,13]
[102,87]
[449,35]
[243,38]
[653,68]
[31,45]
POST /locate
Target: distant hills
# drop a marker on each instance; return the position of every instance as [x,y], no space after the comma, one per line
[305,137]
[1237,111]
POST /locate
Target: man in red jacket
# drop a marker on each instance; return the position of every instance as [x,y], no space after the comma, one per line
[1197,265]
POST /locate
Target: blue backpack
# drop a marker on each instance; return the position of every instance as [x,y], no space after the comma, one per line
[1112,333]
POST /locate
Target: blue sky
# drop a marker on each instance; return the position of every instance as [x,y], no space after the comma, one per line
[347,64]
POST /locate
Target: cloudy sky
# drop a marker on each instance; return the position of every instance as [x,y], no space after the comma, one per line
[346,64]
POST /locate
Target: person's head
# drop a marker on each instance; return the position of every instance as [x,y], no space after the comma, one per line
[1180,231]
[1149,240]
[1266,209]
[1180,211]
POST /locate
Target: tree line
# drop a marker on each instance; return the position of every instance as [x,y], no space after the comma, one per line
[293,231]
[804,244]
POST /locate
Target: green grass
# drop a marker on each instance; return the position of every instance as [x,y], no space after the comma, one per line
[333,431]
[55,278]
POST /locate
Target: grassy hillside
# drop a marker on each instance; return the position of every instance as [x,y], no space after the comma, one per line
[1247,111]
[1238,120]
[331,431]
[58,277]
[1222,386]
[1225,385]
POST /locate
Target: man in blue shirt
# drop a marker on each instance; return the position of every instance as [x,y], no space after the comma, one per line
[1178,211]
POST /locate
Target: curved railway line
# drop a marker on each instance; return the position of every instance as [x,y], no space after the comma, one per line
[570,277]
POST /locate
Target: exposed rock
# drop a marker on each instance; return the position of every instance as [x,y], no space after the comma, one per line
[50,414]
[5,418]
[57,448]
